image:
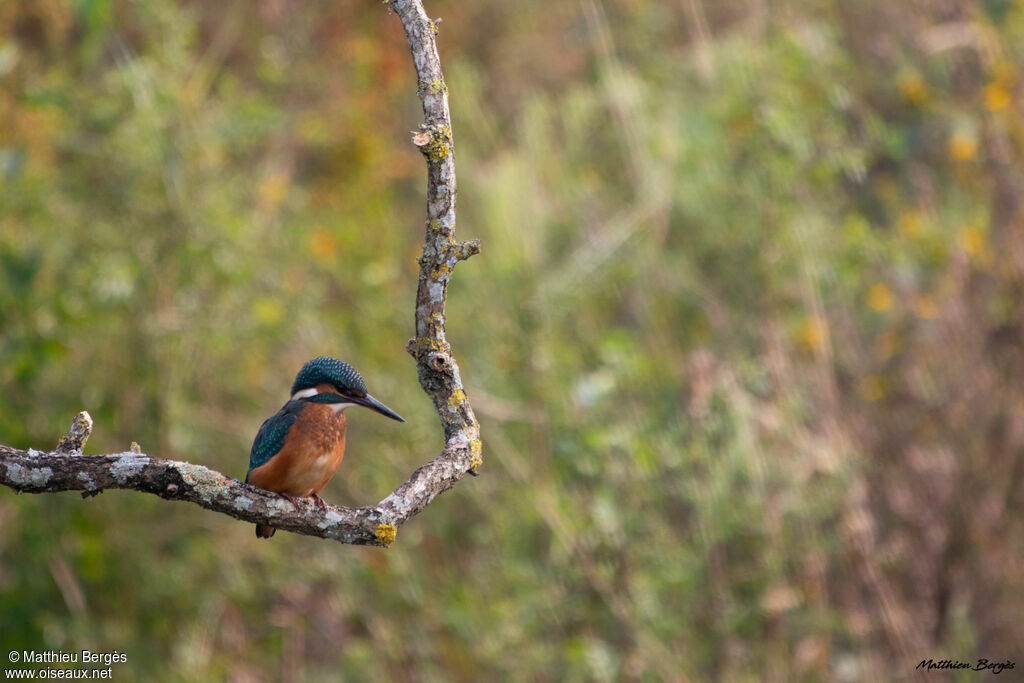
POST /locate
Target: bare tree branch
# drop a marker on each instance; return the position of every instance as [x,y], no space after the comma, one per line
[66,469]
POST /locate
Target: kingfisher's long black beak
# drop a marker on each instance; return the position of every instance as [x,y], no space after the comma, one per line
[373,404]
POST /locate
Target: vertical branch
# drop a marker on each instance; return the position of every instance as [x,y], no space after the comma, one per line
[435,364]
[438,370]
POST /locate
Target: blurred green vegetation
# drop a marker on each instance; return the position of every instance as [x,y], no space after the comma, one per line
[745,339]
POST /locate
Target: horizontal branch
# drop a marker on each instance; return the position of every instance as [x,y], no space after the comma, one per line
[35,472]
[32,471]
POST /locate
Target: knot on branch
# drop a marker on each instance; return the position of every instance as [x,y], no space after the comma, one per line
[434,141]
[463,250]
[440,362]
[78,434]
[426,347]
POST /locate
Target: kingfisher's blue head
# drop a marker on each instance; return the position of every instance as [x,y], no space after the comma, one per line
[337,382]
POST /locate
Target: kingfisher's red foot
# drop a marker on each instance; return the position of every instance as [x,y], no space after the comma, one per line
[319,501]
[291,499]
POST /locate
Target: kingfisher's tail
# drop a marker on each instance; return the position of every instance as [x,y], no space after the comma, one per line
[264,531]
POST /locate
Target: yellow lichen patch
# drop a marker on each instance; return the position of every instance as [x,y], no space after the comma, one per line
[456,399]
[426,343]
[438,151]
[437,86]
[440,145]
[386,534]
[435,143]
[475,446]
[437,322]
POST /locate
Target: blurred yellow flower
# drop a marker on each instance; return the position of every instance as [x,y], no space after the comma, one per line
[813,333]
[971,240]
[996,97]
[963,146]
[913,88]
[274,189]
[910,224]
[268,310]
[322,244]
[871,388]
[880,298]
[926,307]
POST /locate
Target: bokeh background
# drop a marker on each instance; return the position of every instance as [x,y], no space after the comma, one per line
[745,338]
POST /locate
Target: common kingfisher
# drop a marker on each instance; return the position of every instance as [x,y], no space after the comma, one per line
[298,450]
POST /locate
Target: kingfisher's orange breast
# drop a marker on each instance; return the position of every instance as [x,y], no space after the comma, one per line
[311,454]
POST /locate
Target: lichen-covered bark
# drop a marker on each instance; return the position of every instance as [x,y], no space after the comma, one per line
[438,370]
[37,472]
[66,469]
[76,437]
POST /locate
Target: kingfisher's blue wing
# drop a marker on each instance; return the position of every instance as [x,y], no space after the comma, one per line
[270,439]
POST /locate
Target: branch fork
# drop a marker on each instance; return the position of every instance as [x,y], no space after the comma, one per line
[67,469]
